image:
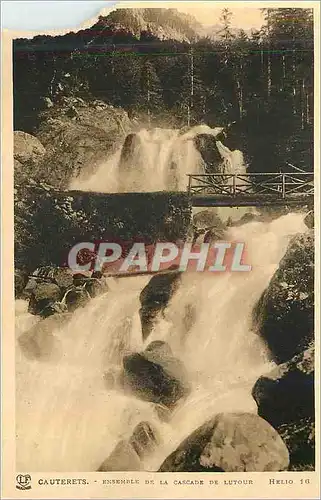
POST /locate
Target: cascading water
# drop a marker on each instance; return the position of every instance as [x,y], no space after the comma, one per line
[67,417]
[157,160]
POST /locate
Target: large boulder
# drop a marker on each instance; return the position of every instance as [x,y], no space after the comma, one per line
[78,137]
[230,442]
[20,282]
[27,148]
[28,153]
[208,218]
[285,399]
[76,297]
[43,295]
[206,145]
[155,375]
[122,458]
[309,219]
[284,314]
[128,455]
[155,297]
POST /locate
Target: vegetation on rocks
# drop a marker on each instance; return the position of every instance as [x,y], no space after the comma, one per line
[284,315]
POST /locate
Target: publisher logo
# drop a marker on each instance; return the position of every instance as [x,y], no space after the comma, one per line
[23,482]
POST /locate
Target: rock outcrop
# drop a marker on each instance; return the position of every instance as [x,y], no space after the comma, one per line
[28,153]
[128,455]
[77,136]
[230,442]
[206,145]
[284,315]
[52,290]
[285,399]
[155,297]
[155,375]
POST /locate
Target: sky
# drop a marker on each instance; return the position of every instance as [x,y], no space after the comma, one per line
[65,14]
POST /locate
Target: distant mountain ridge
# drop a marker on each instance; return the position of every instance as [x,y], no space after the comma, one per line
[162,23]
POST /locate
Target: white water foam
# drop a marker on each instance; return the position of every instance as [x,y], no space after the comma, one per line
[68,420]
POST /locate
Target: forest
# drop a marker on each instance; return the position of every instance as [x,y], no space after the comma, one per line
[259,85]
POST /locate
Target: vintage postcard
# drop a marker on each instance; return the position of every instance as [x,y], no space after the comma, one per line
[161,254]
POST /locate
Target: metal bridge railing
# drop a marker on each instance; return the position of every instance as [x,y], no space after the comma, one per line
[278,185]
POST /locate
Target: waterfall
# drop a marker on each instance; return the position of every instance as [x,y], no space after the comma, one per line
[67,416]
[69,420]
[157,160]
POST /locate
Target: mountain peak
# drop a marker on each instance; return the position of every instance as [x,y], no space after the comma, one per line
[163,23]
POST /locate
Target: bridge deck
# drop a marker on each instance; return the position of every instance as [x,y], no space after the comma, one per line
[255,200]
[242,190]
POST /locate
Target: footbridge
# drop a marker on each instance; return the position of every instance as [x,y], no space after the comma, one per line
[251,189]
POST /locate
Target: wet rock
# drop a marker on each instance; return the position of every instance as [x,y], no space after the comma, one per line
[245,219]
[144,439]
[122,458]
[284,315]
[208,219]
[63,277]
[155,375]
[20,282]
[53,308]
[309,219]
[129,146]
[44,294]
[230,442]
[155,297]
[95,287]
[129,454]
[206,145]
[299,438]
[148,315]
[40,341]
[285,399]
[79,279]
[76,297]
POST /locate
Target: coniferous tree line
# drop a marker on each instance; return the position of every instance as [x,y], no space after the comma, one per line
[261,83]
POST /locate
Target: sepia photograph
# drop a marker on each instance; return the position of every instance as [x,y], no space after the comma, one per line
[164,244]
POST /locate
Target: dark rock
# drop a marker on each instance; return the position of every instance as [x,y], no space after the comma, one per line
[245,219]
[76,297]
[155,297]
[53,308]
[285,399]
[79,279]
[122,458]
[144,439]
[95,287]
[129,454]
[63,277]
[43,295]
[130,144]
[148,315]
[299,438]
[230,442]
[156,375]
[20,282]
[208,219]
[309,219]
[206,145]
[284,315]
